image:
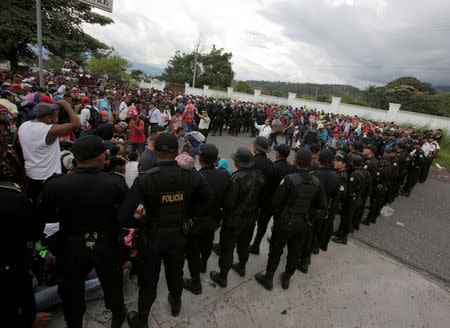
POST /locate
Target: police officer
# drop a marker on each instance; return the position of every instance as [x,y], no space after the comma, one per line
[281,167]
[241,205]
[417,161]
[392,182]
[20,225]
[219,115]
[322,228]
[296,194]
[167,193]
[372,165]
[364,183]
[201,233]
[404,158]
[264,164]
[85,204]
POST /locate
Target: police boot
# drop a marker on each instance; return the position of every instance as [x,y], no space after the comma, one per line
[285,280]
[254,249]
[340,240]
[366,221]
[239,268]
[219,278]
[175,305]
[194,287]
[118,317]
[266,280]
[137,320]
[303,266]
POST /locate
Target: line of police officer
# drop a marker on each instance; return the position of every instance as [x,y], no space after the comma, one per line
[185,207]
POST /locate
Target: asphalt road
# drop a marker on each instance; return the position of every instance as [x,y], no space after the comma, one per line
[418,233]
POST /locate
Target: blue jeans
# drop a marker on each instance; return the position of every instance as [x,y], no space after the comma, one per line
[186,126]
[289,137]
[273,139]
[195,151]
[140,147]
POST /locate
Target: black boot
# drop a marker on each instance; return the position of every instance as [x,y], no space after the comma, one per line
[239,268]
[137,320]
[366,221]
[266,280]
[118,317]
[219,278]
[285,280]
[340,240]
[203,265]
[315,251]
[216,249]
[303,267]
[254,249]
[175,305]
[194,287]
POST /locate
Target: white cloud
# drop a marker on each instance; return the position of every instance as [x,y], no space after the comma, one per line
[332,41]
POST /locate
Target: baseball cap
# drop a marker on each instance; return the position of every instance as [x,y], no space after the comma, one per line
[85,100]
[88,147]
[124,125]
[209,153]
[166,142]
[303,157]
[283,149]
[43,109]
[243,157]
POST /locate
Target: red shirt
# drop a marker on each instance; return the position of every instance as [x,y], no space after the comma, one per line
[137,137]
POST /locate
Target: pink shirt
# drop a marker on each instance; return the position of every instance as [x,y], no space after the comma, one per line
[137,137]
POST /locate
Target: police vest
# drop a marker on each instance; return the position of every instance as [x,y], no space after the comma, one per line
[169,205]
[304,190]
[365,180]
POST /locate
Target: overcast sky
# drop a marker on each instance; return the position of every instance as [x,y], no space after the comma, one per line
[360,42]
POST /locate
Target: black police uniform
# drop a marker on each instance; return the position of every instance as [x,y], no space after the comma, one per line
[265,165]
[219,115]
[393,182]
[20,224]
[201,233]
[364,190]
[417,161]
[281,168]
[85,205]
[167,193]
[241,205]
[404,161]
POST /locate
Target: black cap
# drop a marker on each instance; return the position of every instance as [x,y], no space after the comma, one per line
[209,153]
[303,157]
[243,157]
[314,148]
[166,142]
[357,160]
[369,147]
[341,157]
[326,156]
[88,147]
[262,144]
[43,109]
[284,150]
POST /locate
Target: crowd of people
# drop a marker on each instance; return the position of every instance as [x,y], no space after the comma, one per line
[92,176]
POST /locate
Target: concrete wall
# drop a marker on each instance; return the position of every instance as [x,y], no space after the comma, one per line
[394,114]
[155,84]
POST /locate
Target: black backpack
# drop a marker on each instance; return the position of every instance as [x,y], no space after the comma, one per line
[95,119]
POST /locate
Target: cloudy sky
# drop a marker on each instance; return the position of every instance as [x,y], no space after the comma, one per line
[360,42]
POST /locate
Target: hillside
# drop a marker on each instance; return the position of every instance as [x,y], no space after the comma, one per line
[312,89]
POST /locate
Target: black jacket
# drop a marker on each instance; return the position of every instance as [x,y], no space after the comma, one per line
[281,168]
[219,184]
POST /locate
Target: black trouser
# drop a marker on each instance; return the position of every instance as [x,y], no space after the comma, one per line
[75,262]
[18,306]
[326,229]
[218,124]
[199,244]
[349,209]
[153,126]
[295,236]
[425,170]
[167,246]
[231,237]
[263,220]
[377,199]
[273,139]
[411,179]
[360,212]
[34,188]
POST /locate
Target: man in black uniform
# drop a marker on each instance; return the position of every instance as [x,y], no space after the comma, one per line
[364,181]
[219,115]
[167,193]
[404,160]
[372,165]
[417,160]
[281,167]
[20,225]
[85,204]
[265,165]
[296,194]
[201,233]
[392,182]
[241,205]
[322,228]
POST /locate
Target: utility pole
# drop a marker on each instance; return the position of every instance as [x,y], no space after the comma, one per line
[195,66]
[39,37]
[199,47]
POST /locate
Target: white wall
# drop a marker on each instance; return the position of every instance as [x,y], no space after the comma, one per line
[155,84]
[394,114]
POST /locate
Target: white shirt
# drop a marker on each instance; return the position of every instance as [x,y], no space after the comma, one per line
[430,148]
[165,115]
[122,105]
[41,160]
[131,172]
[156,117]
[204,123]
[85,116]
[264,131]
[67,160]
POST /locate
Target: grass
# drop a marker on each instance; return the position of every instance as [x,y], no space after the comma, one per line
[443,158]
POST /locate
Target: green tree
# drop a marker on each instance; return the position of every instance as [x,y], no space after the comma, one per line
[324,98]
[352,101]
[412,81]
[213,68]
[135,73]
[113,65]
[62,33]
[244,87]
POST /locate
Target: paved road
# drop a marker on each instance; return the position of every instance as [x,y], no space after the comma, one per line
[419,231]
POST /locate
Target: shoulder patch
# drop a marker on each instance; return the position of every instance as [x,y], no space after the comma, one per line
[352,179]
[341,188]
[395,163]
[282,181]
[378,173]
[365,167]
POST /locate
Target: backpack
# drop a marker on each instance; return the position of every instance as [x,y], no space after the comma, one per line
[95,119]
[198,136]
[123,113]
[278,126]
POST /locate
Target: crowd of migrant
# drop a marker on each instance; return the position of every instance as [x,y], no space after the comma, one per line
[91,177]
